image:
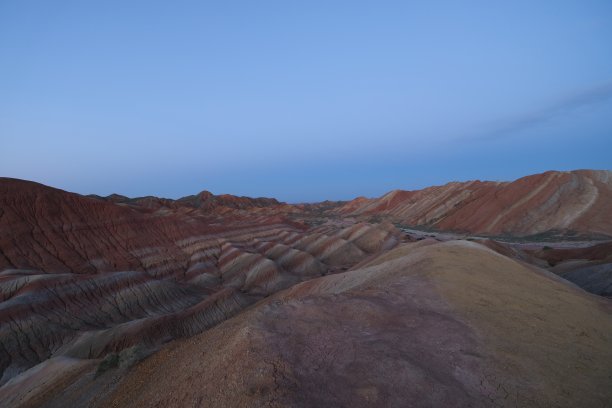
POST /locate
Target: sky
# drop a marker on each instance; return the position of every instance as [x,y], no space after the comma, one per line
[302,101]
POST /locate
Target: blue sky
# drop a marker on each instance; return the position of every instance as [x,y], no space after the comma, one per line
[302,101]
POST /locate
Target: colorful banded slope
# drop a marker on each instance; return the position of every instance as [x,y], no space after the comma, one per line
[577,201]
[82,277]
[434,325]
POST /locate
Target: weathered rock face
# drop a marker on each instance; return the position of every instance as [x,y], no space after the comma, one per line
[578,201]
[88,316]
[51,230]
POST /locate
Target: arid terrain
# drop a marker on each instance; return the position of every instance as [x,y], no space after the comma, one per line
[470,294]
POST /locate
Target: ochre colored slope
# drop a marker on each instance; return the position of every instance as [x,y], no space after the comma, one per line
[449,324]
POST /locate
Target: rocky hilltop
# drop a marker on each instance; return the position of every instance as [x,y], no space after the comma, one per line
[234,301]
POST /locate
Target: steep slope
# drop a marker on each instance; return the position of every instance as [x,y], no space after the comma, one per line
[578,201]
[47,229]
[52,230]
[447,324]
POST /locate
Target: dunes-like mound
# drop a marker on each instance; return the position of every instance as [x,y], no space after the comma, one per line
[447,324]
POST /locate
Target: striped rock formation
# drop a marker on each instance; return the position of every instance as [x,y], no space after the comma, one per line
[82,277]
[577,201]
[269,304]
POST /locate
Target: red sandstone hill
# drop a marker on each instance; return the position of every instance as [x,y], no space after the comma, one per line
[53,230]
[579,201]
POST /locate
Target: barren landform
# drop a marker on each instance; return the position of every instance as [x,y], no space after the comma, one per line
[472,294]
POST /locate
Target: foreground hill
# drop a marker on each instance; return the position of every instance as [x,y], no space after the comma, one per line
[426,324]
[577,201]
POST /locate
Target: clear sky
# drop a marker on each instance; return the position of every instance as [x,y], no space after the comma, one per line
[302,101]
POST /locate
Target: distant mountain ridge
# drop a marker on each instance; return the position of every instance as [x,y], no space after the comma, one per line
[203,200]
[579,201]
